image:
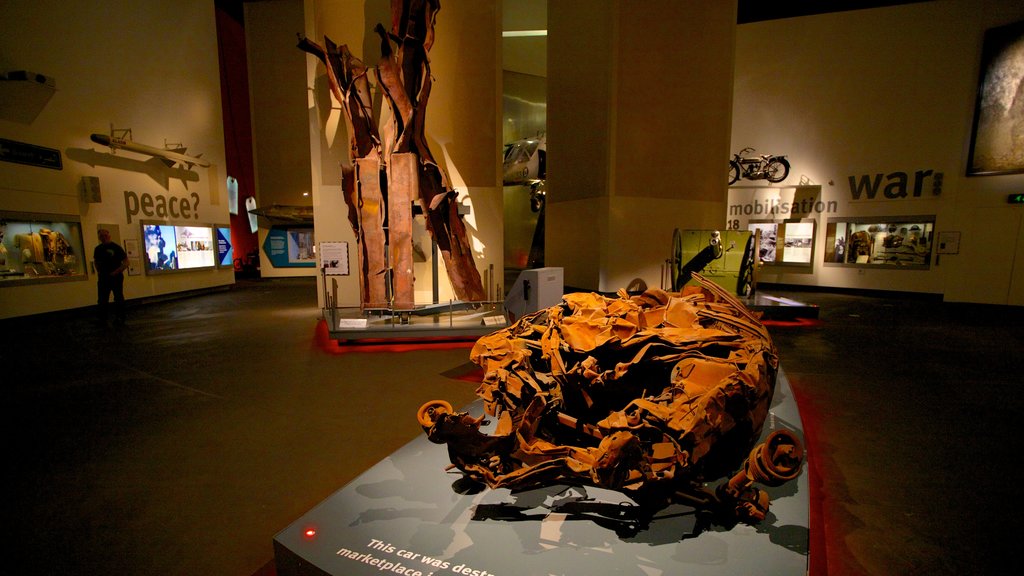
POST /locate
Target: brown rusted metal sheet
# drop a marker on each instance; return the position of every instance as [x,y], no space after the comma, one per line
[652,395]
[350,85]
[402,183]
[404,75]
[371,234]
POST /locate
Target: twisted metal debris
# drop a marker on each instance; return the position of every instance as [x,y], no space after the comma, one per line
[651,395]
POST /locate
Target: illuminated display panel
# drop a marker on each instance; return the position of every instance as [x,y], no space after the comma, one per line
[786,242]
[195,247]
[225,251]
[169,248]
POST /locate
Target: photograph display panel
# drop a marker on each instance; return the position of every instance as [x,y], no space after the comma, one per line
[170,248]
[300,246]
[798,242]
[769,239]
[897,242]
[195,247]
[786,242]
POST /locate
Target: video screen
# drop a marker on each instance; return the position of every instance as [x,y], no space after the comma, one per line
[168,248]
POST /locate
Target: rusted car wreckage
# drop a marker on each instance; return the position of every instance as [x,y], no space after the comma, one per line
[654,395]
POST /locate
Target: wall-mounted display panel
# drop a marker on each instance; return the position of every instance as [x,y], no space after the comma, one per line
[798,242]
[769,239]
[290,247]
[38,248]
[897,242]
[172,248]
[225,250]
[786,242]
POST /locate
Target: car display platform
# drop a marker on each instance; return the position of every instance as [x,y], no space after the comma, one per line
[407,515]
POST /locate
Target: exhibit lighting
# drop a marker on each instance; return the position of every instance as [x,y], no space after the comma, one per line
[523,33]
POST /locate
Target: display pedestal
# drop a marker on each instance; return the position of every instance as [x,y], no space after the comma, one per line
[451,320]
[406,516]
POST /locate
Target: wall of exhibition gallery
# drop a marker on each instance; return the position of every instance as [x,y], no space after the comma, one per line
[882,91]
[154,71]
[847,94]
[851,94]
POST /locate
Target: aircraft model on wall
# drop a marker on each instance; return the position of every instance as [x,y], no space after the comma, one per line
[121,139]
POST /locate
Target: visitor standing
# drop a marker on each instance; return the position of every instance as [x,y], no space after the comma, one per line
[111,262]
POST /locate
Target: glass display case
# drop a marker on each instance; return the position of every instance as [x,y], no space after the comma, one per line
[889,242]
[36,248]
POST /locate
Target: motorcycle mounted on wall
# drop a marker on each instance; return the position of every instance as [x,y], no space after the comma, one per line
[774,169]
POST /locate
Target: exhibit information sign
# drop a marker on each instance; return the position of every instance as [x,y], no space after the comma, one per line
[334,258]
[290,247]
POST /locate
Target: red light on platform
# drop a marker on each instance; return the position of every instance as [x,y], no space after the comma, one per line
[309,533]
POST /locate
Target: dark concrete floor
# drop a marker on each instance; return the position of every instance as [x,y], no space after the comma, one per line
[182,442]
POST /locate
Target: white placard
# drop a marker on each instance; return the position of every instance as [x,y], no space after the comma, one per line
[349,323]
[949,243]
[334,258]
[494,320]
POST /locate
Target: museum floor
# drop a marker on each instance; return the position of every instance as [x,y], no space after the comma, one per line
[182,442]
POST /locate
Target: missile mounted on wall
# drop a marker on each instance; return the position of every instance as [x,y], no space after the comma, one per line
[170,155]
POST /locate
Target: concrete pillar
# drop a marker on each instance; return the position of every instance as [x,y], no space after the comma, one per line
[639,121]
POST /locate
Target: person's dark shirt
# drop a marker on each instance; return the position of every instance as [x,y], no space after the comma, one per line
[108,258]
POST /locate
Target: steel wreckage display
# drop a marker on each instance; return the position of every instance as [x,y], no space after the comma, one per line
[657,396]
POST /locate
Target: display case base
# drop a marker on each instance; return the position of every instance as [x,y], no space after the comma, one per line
[450,320]
[406,515]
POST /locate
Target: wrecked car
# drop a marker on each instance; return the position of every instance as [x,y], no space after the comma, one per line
[655,395]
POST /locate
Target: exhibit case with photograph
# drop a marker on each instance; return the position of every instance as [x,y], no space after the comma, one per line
[896,242]
[786,242]
[172,248]
[39,248]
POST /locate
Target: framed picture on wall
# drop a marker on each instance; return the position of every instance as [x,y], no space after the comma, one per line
[996,145]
